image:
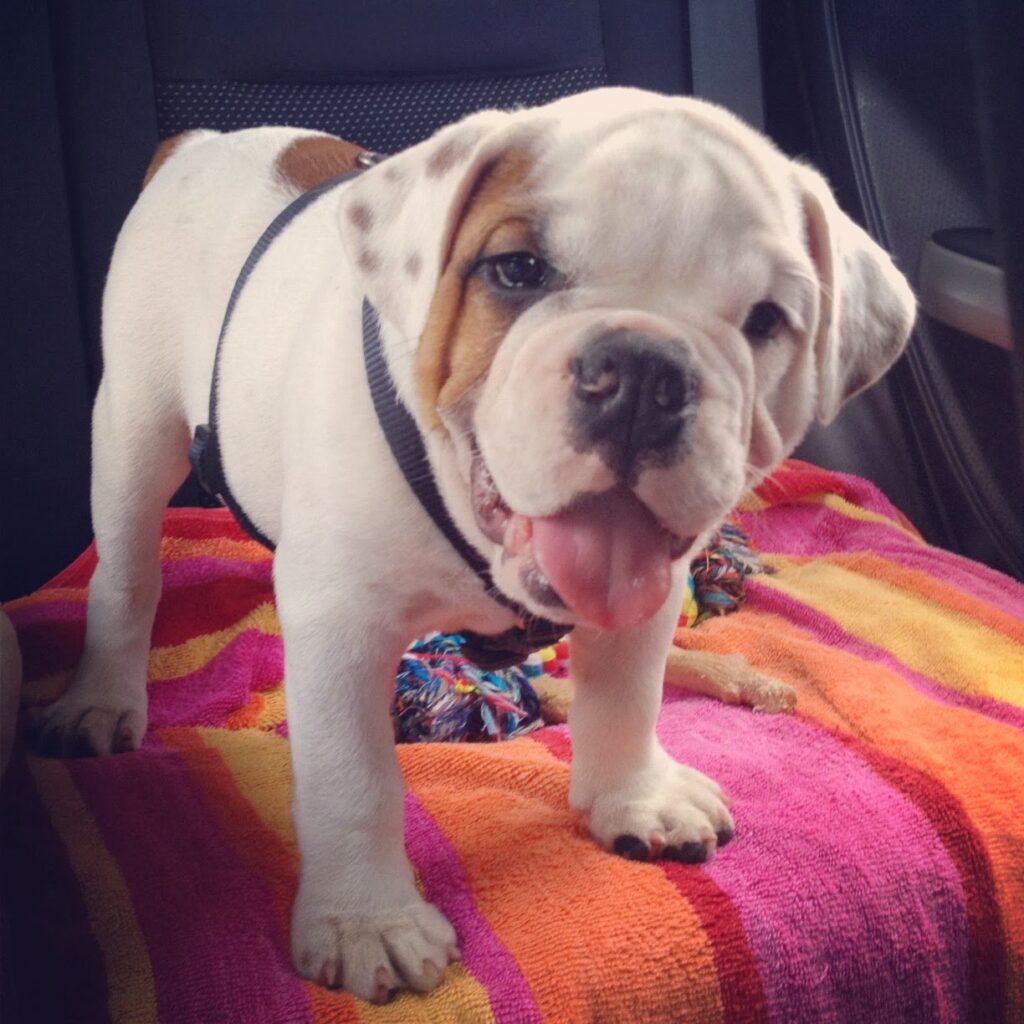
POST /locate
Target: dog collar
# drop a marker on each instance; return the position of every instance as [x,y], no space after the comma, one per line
[530,633]
[511,647]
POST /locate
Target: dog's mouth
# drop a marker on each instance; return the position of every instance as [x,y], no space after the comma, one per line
[605,556]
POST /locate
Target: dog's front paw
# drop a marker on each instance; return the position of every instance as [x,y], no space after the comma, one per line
[373,956]
[668,810]
[85,724]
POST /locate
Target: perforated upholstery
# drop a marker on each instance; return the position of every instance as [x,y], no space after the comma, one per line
[384,116]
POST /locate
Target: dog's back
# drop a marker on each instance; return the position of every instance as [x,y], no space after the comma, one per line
[206,199]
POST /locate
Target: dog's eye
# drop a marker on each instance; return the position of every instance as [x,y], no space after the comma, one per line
[521,271]
[764,321]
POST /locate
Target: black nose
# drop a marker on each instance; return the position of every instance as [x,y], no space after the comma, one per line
[633,395]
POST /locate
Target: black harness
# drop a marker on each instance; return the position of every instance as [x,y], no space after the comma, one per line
[403,436]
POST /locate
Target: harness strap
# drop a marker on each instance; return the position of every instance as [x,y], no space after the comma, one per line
[204,451]
[406,444]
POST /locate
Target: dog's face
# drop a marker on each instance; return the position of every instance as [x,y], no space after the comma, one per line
[619,313]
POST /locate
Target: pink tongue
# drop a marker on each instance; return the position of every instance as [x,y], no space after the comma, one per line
[607,558]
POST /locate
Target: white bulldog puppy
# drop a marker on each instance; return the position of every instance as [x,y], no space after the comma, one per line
[609,317]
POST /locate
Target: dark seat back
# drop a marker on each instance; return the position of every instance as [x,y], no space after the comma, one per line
[92,88]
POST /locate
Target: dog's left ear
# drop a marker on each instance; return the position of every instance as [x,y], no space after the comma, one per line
[867,308]
[397,218]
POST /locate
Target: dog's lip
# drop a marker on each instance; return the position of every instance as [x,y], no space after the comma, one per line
[489,507]
[501,525]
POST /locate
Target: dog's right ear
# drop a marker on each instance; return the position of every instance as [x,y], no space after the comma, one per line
[397,218]
[866,309]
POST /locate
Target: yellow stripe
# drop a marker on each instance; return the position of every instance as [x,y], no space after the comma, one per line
[460,1000]
[752,503]
[954,650]
[851,511]
[131,990]
[260,765]
[180,659]
[273,712]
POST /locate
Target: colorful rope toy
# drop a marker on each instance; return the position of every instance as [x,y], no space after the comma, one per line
[443,697]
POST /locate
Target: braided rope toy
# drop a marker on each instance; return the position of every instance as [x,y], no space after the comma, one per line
[443,697]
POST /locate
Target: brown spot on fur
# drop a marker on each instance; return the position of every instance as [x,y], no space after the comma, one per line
[467,321]
[369,261]
[309,161]
[162,155]
[413,265]
[451,152]
[392,173]
[361,216]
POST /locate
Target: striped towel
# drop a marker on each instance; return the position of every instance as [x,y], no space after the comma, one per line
[877,874]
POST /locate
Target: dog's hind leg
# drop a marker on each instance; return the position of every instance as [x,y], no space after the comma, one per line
[726,677]
[139,459]
[729,678]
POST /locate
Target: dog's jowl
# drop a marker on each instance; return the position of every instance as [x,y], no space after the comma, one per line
[605,320]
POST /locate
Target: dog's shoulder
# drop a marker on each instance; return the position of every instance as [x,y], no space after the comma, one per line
[293,160]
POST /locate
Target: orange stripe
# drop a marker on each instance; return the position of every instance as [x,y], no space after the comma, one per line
[561,899]
[248,715]
[176,549]
[45,688]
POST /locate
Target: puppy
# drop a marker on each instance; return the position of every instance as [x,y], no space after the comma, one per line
[609,318]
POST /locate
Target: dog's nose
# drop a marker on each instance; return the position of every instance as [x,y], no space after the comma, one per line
[632,396]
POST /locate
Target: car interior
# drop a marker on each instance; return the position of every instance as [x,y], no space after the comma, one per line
[914,111]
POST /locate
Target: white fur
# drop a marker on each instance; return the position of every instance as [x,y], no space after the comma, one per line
[667,215]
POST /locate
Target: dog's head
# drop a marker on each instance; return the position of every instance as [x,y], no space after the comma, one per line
[613,316]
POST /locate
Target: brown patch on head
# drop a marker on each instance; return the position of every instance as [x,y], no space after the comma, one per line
[361,216]
[162,154]
[467,320]
[451,153]
[369,261]
[312,160]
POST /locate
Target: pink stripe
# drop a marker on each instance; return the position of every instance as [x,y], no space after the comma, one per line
[42,612]
[185,572]
[251,661]
[446,885]
[814,530]
[847,895]
[209,921]
[828,631]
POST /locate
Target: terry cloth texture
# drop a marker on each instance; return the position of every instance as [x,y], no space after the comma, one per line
[877,874]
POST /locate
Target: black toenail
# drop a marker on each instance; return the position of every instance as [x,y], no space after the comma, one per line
[631,848]
[688,853]
[83,747]
[724,835]
[392,992]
